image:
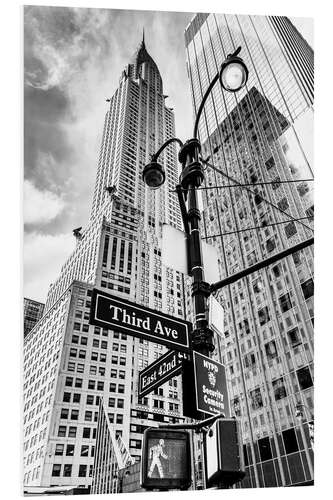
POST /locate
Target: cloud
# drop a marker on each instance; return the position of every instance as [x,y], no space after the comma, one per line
[40,207]
[43,257]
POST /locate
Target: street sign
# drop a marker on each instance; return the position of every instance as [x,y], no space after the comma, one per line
[216,316]
[159,372]
[132,319]
[174,253]
[210,385]
[166,459]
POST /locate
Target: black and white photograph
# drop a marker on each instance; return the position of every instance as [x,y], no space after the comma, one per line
[168,250]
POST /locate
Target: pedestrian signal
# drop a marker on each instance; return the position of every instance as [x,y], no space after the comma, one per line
[166,462]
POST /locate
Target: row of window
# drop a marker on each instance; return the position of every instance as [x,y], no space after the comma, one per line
[71,431]
[67,470]
[304,379]
[79,367]
[290,444]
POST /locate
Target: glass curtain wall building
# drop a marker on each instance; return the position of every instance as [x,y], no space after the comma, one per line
[258,200]
[68,364]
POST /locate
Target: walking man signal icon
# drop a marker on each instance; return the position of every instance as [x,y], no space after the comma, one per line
[155,452]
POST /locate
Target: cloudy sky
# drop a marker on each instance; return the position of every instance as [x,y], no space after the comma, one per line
[73,58]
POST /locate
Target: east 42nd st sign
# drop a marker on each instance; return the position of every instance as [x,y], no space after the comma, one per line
[132,319]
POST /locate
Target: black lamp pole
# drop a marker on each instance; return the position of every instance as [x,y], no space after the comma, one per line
[233,76]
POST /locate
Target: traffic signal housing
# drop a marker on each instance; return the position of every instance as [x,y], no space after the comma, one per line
[166,459]
[224,452]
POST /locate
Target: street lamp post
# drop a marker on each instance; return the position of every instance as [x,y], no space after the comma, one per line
[233,76]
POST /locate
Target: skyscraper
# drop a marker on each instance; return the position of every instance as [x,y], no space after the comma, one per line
[257,201]
[68,364]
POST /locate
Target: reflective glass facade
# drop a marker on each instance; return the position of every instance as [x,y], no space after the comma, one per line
[258,200]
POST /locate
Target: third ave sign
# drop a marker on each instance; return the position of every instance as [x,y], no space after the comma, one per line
[132,319]
[159,372]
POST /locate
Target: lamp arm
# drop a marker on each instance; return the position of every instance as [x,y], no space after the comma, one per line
[169,141]
[204,99]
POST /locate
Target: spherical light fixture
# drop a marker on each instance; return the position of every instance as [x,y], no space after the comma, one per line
[153,175]
[234,73]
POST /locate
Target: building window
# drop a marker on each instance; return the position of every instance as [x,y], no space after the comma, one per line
[56,470]
[290,441]
[270,348]
[285,302]
[67,397]
[64,413]
[263,315]
[290,229]
[67,470]
[294,337]
[270,245]
[69,381]
[283,204]
[71,366]
[279,389]
[59,449]
[78,382]
[82,470]
[236,407]
[270,163]
[84,450]
[256,399]
[135,443]
[62,431]
[297,258]
[304,378]
[119,419]
[90,399]
[72,432]
[88,416]
[310,213]
[86,432]
[76,398]
[308,288]
[276,271]
[120,403]
[70,450]
[75,414]
[265,449]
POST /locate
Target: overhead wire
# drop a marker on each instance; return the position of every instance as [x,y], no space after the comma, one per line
[252,192]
